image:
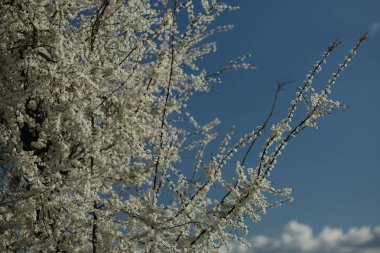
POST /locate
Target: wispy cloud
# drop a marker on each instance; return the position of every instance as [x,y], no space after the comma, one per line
[299,238]
[374,28]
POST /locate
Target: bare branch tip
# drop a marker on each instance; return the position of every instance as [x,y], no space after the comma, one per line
[363,37]
[334,45]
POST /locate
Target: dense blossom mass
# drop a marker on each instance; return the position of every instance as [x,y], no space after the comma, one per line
[94,125]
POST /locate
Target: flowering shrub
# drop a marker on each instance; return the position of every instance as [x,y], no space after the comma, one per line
[94,123]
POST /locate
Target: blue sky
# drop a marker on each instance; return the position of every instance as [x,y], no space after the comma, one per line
[335,170]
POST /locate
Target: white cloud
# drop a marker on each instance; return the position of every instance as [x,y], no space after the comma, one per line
[299,238]
[359,235]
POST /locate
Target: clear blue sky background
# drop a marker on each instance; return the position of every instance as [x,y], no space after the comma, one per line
[335,170]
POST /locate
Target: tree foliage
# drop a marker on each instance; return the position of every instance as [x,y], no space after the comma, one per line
[94,125]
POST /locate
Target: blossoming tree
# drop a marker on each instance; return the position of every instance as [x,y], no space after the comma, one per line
[94,123]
